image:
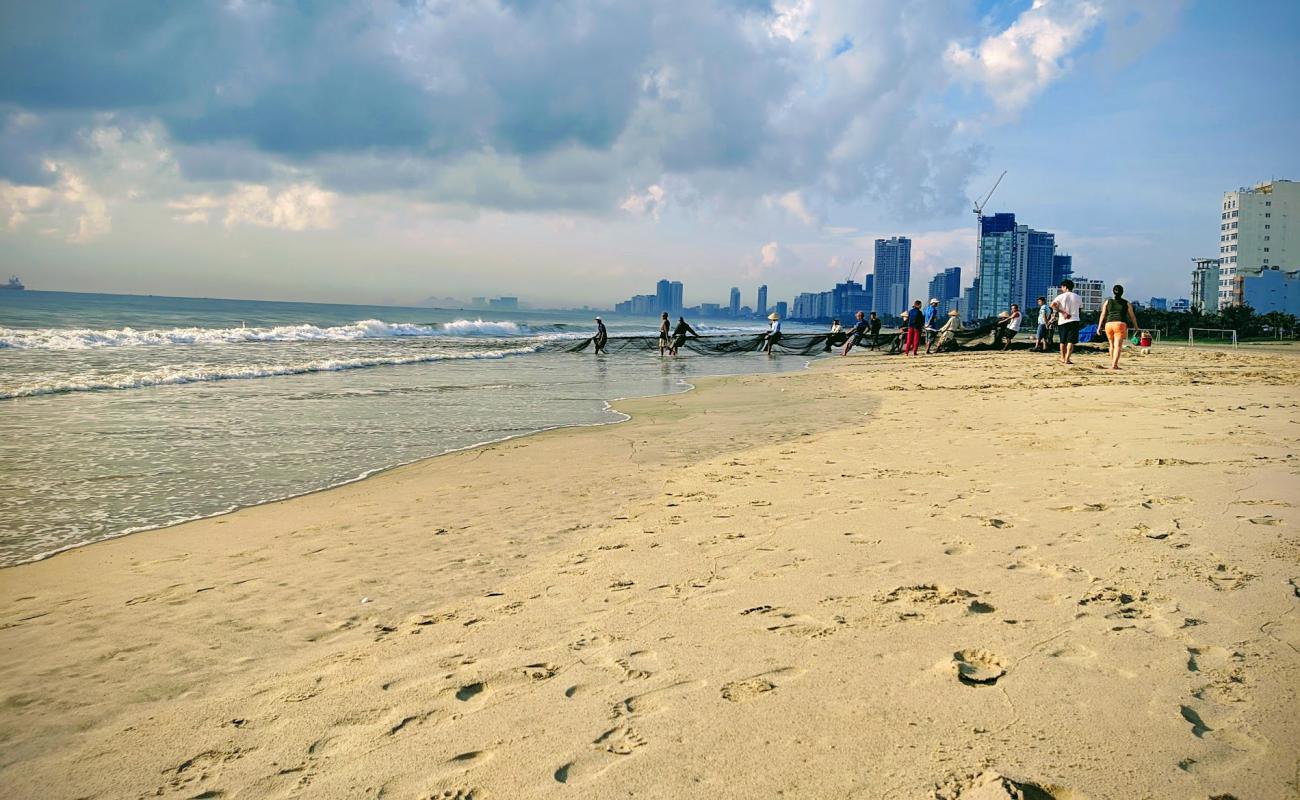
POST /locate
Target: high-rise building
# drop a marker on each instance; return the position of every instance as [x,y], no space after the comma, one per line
[1062,268]
[735,301]
[893,276]
[1205,285]
[1259,228]
[760,308]
[868,289]
[782,310]
[847,299]
[1035,266]
[995,265]
[1017,264]
[1158,304]
[970,302]
[946,288]
[664,296]
[675,291]
[1092,293]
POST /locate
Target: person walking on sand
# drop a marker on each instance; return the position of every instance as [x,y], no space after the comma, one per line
[1067,306]
[601,338]
[913,321]
[1116,314]
[773,334]
[1044,320]
[663,334]
[933,318]
[855,335]
[679,334]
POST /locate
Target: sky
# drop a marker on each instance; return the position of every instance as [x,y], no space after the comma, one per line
[574,152]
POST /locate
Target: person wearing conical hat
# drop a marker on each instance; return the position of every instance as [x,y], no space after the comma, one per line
[773,334]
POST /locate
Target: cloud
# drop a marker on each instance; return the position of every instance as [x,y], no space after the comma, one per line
[1018,63]
[69,208]
[298,207]
[647,203]
[793,203]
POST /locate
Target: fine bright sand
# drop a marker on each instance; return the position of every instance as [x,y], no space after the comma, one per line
[968,576]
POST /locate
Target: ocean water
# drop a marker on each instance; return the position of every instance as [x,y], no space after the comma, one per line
[123,413]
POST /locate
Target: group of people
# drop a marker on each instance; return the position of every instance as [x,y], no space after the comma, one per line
[1061,316]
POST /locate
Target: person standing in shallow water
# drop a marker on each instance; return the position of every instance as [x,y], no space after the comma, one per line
[773,333]
[601,338]
[1116,314]
[663,334]
[913,321]
[679,334]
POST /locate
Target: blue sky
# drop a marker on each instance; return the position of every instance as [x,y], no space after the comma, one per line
[575,152]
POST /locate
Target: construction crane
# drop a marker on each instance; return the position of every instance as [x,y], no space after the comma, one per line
[979,207]
[854,273]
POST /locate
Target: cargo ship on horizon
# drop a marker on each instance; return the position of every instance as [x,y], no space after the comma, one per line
[14,284]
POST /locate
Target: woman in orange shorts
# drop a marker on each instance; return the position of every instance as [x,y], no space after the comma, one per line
[1116,314]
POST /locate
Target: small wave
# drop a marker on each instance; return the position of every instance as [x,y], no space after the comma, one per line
[182,375]
[88,338]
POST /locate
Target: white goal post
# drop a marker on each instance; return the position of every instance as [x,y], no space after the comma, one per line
[1191,335]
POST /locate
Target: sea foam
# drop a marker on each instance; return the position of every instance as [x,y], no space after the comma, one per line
[174,376]
[87,338]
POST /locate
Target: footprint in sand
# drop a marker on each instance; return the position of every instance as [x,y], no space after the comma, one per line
[976,667]
[638,665]
[540,671]
[623,740]
[746,689]
[991,785]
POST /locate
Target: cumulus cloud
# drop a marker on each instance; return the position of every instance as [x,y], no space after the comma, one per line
[69,208]
[1016,64]
[299,207]
[272,111]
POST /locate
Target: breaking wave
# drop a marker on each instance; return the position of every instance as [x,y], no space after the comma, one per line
[173,376]
[88,338]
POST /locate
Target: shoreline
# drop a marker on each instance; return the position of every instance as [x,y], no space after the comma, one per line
[773,581]
[607,406]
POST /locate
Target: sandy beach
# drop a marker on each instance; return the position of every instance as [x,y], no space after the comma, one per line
[961,576]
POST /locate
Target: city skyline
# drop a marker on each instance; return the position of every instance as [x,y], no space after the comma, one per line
[379,154]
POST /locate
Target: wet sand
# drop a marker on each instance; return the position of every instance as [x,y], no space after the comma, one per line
[881,578]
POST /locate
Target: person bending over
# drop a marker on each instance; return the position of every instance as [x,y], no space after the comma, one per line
[1010,326]
[1116,314]
[679,334]
[855,335]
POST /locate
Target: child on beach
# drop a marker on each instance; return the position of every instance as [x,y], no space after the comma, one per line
[1144,342]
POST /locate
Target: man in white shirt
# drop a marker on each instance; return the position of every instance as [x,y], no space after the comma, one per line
[1068,306]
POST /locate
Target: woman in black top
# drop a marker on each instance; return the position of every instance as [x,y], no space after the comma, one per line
[1116,314]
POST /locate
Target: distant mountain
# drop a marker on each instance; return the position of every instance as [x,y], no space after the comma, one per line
[442,302]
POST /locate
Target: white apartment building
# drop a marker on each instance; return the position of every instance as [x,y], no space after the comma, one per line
[1092,293]
[1259,229]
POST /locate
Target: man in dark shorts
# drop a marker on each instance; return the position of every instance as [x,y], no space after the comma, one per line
[679,335]
[873,323]
[1068,306]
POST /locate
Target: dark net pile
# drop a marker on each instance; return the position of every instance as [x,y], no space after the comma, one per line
[804,344]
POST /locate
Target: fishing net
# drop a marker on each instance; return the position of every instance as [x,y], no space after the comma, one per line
[980,337]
